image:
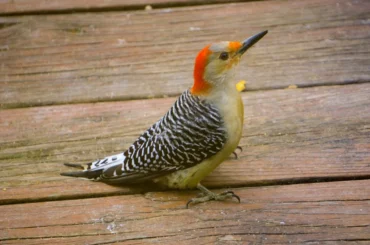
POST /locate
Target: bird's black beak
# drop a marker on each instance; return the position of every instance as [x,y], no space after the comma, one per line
[251,41]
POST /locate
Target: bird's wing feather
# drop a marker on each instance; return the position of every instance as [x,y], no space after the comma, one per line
[191,131]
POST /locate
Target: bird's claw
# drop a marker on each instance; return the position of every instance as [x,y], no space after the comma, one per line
[235,154]
[217,197]
[190,201]
[231,194]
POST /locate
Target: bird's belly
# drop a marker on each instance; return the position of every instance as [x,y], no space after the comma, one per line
[190,177]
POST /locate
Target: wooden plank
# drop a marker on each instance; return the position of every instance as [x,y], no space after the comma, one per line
[319,213]
[11,7]
[85,57]
[289,135]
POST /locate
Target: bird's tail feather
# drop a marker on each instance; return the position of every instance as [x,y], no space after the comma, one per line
[86,173]
[93,170]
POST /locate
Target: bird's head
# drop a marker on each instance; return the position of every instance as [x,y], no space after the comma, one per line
[215,63]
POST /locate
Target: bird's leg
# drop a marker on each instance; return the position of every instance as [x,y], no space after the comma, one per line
[209,196]
[234,152]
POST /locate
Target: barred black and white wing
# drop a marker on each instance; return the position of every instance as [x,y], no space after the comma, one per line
[190,132]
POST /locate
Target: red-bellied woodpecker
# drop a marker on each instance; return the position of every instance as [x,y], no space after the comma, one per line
[200,130]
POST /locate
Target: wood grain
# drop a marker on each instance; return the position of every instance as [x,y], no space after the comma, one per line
[11,7]
[89,57]
[67,80]
[289,135]
[319,213]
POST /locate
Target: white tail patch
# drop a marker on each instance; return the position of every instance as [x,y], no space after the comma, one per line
[108,161]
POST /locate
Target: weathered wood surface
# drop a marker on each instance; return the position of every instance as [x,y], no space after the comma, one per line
[289,135]
[318,213]
[8,7]
[85,57]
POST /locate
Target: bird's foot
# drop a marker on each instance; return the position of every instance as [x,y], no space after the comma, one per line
[236,154]
[208,195]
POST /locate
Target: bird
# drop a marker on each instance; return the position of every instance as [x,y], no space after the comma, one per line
[201,129]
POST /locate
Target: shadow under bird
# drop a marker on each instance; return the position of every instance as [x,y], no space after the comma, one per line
[200,130]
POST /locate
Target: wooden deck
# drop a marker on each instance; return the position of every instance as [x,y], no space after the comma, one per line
[82,80]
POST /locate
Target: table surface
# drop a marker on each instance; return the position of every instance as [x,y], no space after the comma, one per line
[83,79]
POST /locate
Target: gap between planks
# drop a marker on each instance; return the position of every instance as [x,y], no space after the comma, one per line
[30,7]
[118,99]
[144,190]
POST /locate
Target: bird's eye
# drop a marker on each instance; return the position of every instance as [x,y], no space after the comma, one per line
[224,56]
